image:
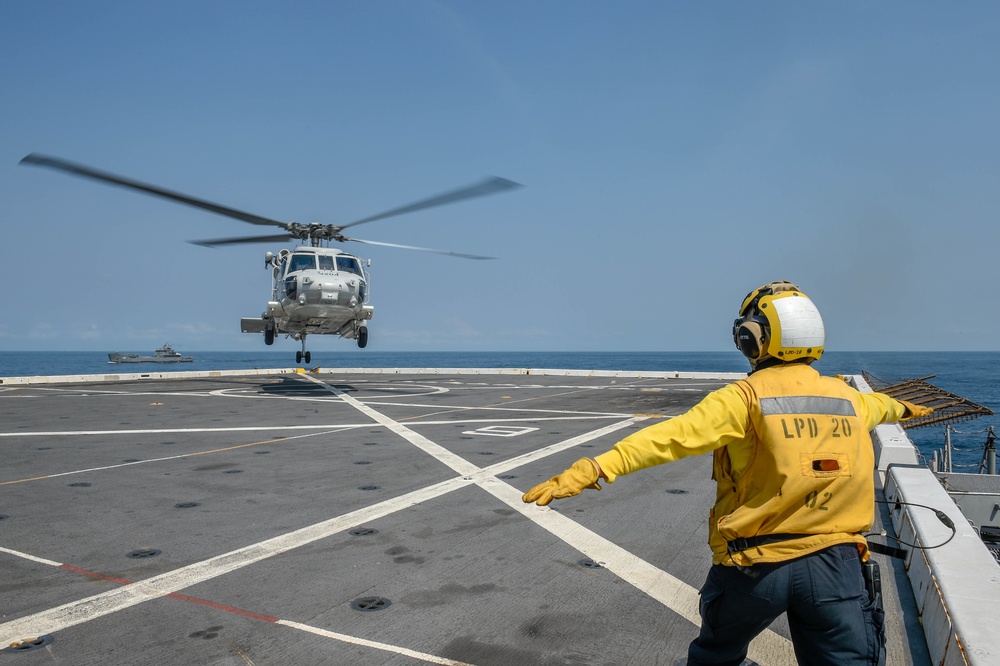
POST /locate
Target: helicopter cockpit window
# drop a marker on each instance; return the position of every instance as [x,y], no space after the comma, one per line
[348,264]
[325,262]
[301,262]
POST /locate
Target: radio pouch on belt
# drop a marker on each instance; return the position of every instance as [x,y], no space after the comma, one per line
[873,582]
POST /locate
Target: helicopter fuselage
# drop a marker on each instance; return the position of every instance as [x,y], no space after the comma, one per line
[315,290]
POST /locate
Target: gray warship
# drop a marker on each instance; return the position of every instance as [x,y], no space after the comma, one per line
[164,354]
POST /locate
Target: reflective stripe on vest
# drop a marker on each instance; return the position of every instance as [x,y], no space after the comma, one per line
[806,404]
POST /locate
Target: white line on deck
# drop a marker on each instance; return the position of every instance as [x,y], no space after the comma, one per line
[672,592]
[374,644]
[40,560]
[177,457]
[167,431]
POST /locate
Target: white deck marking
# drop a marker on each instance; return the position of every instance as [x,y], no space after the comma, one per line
[382,402]
[322,426]
[40,560]
[167,431]
[672,592]
[177,457]
[546,451]
[501,431]
[373,644]
[576,417]
[438,452]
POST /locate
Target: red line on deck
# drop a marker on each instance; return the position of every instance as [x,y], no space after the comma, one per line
[223,607]
[94,574]
[175,595]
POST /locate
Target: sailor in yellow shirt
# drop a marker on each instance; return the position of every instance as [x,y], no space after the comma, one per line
[793,464]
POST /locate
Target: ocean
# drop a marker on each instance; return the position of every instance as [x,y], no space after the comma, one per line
[968,374]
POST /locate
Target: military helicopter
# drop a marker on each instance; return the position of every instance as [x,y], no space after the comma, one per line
[315,289]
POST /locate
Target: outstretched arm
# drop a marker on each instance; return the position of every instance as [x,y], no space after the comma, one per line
[720,419]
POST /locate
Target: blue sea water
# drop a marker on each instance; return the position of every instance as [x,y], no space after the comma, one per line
[968,374]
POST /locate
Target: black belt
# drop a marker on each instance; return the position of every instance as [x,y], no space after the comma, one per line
[740,544]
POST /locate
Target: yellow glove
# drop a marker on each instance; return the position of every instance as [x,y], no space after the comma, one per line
[583,474]
[914,411]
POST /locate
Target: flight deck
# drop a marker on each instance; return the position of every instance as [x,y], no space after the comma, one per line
[356,516]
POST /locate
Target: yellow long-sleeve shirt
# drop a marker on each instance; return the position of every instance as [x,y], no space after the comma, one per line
[724,418]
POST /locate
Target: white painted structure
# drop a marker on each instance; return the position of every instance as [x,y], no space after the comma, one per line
[956,585]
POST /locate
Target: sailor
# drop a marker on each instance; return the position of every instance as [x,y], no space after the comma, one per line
[793,463]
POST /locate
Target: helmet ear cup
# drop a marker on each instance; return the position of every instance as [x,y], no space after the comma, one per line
[751,338]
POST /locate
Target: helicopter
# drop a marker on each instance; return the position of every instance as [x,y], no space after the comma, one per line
[315,289]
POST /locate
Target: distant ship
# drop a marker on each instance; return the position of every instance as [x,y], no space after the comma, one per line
[164,354]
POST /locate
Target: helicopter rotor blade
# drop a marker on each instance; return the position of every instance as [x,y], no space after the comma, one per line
[421,249]
[88,172]
[277,238]
[488,186]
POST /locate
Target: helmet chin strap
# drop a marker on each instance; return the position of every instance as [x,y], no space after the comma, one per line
[771,361]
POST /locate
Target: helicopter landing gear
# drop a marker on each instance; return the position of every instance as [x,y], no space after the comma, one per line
[362,336]
[269,336]
[303,355]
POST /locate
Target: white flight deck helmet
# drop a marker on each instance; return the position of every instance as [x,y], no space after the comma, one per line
[778,324]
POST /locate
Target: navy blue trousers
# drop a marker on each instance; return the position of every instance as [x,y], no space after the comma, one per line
[830,617]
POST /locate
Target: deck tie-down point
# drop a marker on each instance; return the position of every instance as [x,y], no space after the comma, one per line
[28,644]
[369,604]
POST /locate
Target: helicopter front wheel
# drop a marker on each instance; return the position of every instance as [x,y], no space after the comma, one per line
[300,355]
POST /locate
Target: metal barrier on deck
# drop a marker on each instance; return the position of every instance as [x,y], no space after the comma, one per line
[955,579]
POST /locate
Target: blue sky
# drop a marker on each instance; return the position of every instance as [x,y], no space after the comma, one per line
[674,157]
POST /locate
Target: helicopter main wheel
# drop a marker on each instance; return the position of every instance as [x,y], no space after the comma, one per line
[268,336]
[363,337]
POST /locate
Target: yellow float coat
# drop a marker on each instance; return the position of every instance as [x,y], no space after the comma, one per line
[792,455]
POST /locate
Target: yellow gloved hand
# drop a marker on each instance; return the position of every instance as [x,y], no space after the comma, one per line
[583,474]
[914,411]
